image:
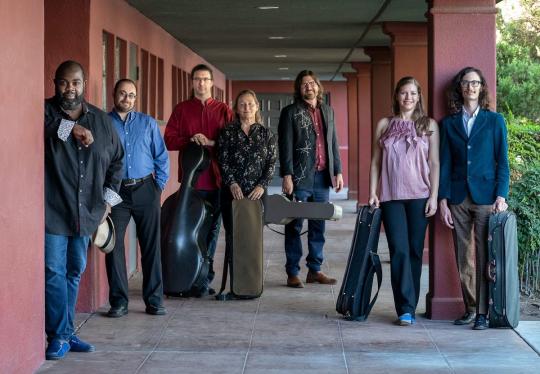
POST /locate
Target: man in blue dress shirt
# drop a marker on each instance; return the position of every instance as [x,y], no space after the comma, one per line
[145,173]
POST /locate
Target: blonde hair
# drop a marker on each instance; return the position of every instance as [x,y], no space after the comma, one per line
[258,117]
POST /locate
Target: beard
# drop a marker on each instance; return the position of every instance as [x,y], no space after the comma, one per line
[310,95]
[68,103]
[123,108]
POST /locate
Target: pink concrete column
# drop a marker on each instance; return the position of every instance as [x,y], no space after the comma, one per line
[409,51]
[22,229]
[381,83]
[461,33]
[352,111]
[364,128]
[409,58]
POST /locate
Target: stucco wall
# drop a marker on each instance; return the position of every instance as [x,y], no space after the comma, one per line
[21,191]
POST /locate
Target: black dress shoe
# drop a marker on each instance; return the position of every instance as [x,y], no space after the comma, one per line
[481,322]
[117,311]
[465,319]
[201,292]
[156,310]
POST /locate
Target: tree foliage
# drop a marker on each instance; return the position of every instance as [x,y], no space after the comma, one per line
[518,63]
[524,199]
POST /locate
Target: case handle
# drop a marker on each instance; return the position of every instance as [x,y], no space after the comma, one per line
[491,271]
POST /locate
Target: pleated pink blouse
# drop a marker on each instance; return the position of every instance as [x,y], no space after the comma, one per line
[404,166]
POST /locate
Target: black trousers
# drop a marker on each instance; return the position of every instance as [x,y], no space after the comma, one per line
[405,224]
[142,202]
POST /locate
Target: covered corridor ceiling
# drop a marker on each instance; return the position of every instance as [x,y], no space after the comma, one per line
[275,39]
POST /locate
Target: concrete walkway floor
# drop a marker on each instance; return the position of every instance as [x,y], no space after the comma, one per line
[293,330]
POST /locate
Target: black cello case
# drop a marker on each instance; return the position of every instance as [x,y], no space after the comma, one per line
[354,299]
[185,225]
[502,270]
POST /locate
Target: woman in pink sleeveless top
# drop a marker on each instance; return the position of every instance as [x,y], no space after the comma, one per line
[404,181]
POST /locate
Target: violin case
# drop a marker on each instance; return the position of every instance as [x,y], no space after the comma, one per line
[354,298]
[185,224]
[244,256]
[502,270]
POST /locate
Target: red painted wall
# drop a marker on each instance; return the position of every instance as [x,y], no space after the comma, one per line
[74,30]
[22,228]
[338,100]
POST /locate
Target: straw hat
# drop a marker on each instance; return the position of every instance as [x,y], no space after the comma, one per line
[104,237]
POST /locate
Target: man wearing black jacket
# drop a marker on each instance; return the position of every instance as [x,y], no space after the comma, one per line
[309,159]
[83,164]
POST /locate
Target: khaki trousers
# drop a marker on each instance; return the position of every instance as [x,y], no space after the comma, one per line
[471,224]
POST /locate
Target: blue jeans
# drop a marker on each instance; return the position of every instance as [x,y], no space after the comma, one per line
[65,261]
[320,193]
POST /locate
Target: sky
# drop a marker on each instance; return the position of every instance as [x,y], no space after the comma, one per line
[510,9]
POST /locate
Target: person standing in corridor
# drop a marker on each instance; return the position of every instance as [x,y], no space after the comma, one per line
[199,119]
[83,165]
[475,180]
[404,181]
[144,175]
[309,160]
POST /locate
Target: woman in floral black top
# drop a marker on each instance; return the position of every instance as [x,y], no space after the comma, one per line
[247,153]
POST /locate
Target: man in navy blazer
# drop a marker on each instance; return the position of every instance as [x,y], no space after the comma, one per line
[474,182]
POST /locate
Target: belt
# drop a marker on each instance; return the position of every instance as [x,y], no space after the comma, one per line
[134,181]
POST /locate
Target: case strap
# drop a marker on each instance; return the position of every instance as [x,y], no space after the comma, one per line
[377,269]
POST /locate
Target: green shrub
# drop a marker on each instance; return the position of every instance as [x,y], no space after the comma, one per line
[523,141]
[518,62]
[518,87]
[524,199]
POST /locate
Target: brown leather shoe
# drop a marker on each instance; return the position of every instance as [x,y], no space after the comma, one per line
[319,277]
[294,282]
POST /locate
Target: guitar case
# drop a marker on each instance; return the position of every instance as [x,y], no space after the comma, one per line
[244,256]
[280,210]
[354,298]
[503,270]
[185,224]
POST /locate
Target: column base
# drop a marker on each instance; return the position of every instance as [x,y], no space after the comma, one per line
[444,308]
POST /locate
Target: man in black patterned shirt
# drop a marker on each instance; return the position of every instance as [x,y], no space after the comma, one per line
[309,159]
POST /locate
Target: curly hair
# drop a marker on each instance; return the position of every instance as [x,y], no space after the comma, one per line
[421,120]
[455,95]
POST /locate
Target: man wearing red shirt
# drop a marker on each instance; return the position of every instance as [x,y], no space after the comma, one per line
[199,120]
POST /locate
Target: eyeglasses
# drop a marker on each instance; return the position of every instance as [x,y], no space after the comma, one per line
[204,80]
[309,84]
[130,96]
[474,84]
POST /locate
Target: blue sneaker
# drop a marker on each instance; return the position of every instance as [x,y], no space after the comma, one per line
[57,349]
[78,345]
[406,319]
